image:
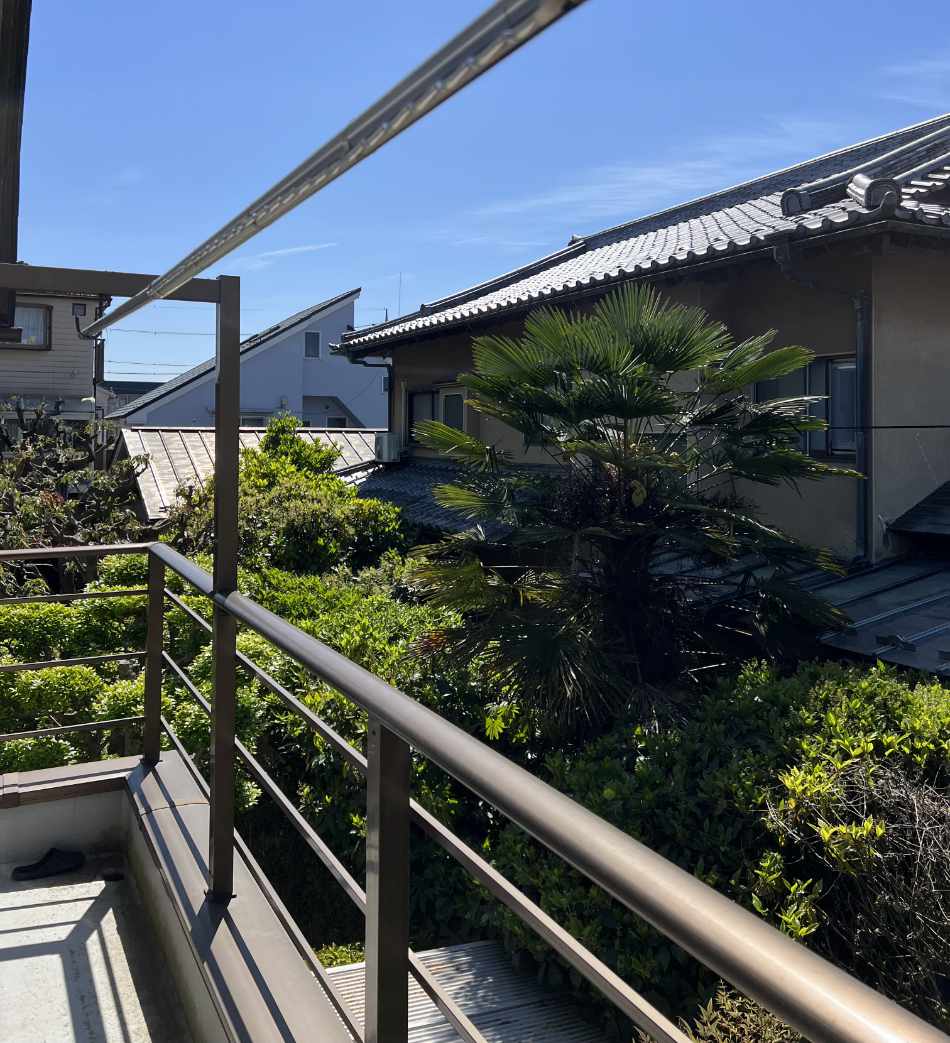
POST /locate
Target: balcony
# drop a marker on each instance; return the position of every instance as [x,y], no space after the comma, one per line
[167,874]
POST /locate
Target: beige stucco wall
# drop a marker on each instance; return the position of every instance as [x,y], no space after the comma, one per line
[750,300]
[910,379]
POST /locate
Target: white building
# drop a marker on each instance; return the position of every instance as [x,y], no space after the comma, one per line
[285,368]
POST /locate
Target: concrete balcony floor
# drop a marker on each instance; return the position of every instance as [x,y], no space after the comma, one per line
[78,962]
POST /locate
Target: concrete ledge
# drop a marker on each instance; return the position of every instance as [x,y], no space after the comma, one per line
[239,976]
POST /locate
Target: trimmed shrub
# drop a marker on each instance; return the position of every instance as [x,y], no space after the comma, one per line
[294,514]
[758,794]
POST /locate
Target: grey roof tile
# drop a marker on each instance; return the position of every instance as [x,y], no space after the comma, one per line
[184,456]
[744,217]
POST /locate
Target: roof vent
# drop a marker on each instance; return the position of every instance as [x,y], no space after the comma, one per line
[875,193]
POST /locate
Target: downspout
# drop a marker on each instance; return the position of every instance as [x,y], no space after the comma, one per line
[862,332]
[861,303]
[388,366]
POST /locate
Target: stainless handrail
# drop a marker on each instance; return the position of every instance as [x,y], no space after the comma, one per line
[818,999]
[500,30]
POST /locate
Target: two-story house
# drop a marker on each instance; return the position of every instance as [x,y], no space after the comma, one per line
[847,254]
[49,363]
[287,367]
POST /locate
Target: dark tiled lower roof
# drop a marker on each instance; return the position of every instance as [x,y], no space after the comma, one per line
[409,486]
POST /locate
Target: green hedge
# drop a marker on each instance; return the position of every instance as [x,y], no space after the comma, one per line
[749,794]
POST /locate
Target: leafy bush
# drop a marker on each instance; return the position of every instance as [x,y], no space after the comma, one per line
[340,955]
[47,751]
[794,796]
[51,493]
[64,695]
[294,515]
[730,1017]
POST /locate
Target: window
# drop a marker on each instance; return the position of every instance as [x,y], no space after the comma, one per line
[842,405]
[34,321]
[253,420]
[79,310]
[421,406]
[452,409]
[336,421]
[311,347]
[836,380]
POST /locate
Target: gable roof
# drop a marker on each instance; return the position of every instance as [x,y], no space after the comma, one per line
[252,342]
[184,456]
[898,175]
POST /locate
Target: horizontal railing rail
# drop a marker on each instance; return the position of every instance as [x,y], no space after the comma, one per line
[818,999]
[63,729]
[609,984]
[805,991]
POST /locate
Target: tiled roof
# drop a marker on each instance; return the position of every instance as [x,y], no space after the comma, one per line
[184,456]
[409,486]
[891,176]
[255,341]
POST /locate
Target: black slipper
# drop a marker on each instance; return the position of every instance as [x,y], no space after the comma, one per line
[53,863]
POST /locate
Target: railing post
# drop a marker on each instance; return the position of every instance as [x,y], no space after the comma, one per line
[387,886]
[154,644]
[227,420]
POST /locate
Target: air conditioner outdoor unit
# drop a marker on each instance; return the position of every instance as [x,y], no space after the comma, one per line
[388,447]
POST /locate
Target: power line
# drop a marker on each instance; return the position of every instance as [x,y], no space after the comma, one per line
[170,333]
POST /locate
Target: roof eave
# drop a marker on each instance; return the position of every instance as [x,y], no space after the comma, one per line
[871,224]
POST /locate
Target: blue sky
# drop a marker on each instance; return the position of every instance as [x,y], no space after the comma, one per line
[149,125]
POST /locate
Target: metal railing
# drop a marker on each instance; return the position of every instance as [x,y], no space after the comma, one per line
[818,999]
[56,554]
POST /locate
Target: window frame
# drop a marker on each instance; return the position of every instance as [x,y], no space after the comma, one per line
[246,417]
[306,344]
[447,391]
[433,393]
[820,444]
[20,346]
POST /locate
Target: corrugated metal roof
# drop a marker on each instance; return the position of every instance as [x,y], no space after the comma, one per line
[255,341]
[930,517]
[899,611]
[184,456]
[505,1005]
[738,219]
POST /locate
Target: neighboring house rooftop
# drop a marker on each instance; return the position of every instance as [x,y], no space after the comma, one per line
[130,387]
[252,342]
[184,456]
[902,176]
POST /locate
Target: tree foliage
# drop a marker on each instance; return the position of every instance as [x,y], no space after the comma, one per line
[55,492]
[294,513]
[628,558]
[818,800]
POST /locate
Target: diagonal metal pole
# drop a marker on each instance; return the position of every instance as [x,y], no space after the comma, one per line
[503,28]
[227,416]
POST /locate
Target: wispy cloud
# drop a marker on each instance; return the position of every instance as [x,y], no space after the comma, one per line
[127,176]
[924,82]
[257,262]
[631,187]
[497,242]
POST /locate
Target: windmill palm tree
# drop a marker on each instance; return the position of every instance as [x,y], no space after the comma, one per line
[626,557]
